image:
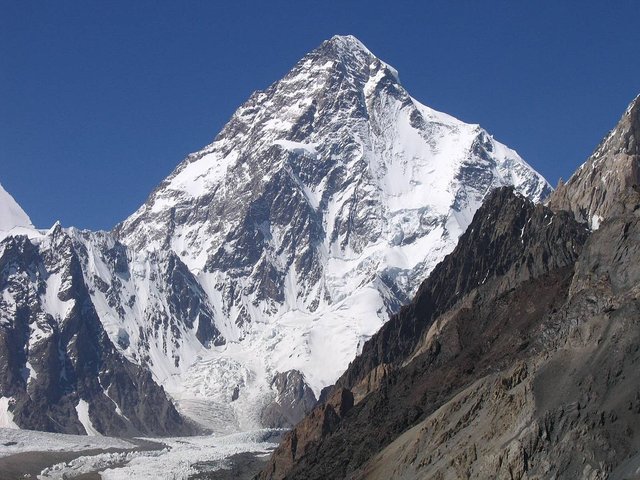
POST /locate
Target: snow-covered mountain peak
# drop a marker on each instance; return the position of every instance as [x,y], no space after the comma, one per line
[344,50]
[348,54]
[317,211]
[11,214]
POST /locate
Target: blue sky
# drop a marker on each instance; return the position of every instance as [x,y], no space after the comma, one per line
[99,101]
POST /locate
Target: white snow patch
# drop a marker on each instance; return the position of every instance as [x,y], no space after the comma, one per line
[298,147]
[50,301]
[31,373]
[6,417]
[83,416]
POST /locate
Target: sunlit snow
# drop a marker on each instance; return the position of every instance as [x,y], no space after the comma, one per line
[11,214]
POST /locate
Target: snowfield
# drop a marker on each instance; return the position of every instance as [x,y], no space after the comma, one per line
[178,458]
[14,441]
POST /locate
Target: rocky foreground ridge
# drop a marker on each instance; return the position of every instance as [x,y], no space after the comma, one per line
[517,358]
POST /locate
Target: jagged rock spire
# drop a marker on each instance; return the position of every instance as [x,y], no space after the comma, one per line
[602,186]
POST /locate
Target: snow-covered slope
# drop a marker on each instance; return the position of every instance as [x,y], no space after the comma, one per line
[11,214]
[59,370]
[313,215]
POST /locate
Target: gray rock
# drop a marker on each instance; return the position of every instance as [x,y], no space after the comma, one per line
[601,186]
[294,399]
[51,361]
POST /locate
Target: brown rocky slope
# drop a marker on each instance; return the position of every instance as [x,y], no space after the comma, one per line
[518,357]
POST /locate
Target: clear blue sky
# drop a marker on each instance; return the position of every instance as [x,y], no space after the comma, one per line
[100,100]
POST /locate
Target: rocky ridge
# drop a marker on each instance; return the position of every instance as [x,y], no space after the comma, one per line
[599,188]
[506,364]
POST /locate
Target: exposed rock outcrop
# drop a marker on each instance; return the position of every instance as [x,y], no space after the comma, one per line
[299,442]
[59,367]
[600,187]
[293,400]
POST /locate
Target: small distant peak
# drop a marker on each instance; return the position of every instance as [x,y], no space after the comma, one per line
[55,229]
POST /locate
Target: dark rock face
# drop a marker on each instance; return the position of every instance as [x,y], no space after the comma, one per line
[518,357]
[294,399]
[510,240]
[186,300]
[321,422]
[55,353]
[486,314]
